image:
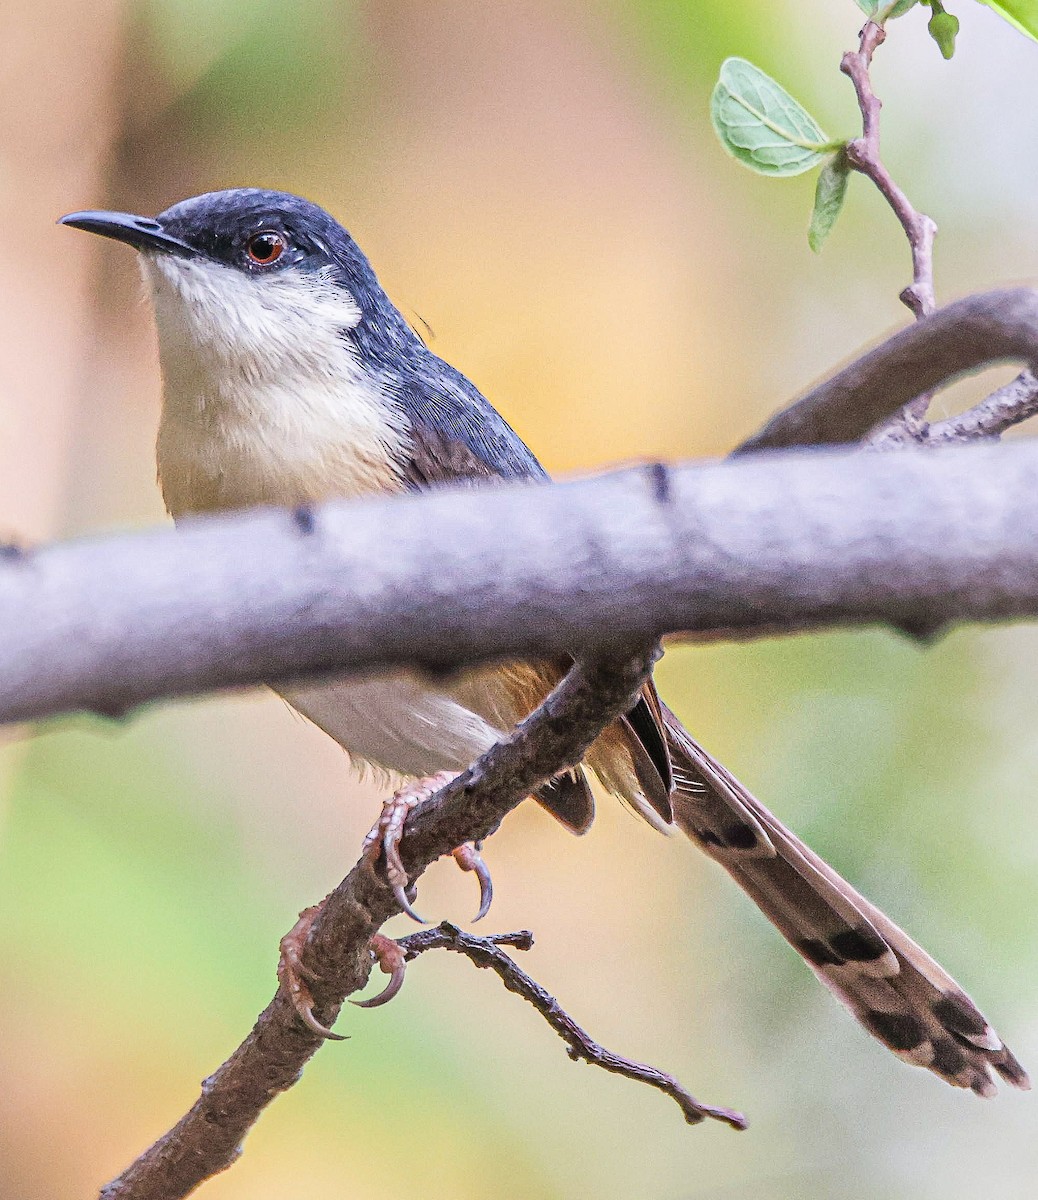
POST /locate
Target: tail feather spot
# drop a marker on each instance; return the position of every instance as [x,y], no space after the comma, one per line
[959,1016]
[858,945]
[900,1031]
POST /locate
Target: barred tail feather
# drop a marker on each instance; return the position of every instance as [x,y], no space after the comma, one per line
[891,985]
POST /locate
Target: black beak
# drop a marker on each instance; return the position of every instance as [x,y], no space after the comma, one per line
[143,233]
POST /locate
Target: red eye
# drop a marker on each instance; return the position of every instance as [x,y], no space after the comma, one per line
[266,247]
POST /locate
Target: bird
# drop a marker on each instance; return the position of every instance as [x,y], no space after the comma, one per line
[289,377]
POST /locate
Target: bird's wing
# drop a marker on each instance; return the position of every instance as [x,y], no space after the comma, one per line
[459,436]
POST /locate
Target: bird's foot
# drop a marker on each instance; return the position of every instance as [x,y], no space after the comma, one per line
[385,836]
[295,977]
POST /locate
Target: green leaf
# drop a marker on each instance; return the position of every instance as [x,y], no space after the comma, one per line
[898,9]
[868,7]
[943,28]
[1023,14]
[829,197]
[761,125]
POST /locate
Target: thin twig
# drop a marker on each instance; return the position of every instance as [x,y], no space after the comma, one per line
[989,419]
[446,936]
[484,952]
[863,154]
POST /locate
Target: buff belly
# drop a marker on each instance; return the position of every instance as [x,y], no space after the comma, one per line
[398,723]
[401,724]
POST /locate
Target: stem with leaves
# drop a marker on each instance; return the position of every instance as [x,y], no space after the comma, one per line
[762,125]
[863,155]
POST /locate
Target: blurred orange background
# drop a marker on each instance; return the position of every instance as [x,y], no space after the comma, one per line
[540,183]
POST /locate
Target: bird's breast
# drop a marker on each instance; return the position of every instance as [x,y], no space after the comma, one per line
[276,449]
[266,399]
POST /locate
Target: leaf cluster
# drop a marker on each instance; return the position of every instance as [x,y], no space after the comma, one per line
[1021,14]
[766,129]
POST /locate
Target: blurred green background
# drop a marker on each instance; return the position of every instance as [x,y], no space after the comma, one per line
[541,184]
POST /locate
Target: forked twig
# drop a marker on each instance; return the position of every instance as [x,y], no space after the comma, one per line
[985,421]
[207,1139]
[989,419]
[485,952]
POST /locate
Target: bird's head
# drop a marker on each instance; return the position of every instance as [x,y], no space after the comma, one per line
[288,374]
[281,355]
[254,280]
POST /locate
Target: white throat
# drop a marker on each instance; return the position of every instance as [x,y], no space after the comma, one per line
[264,400]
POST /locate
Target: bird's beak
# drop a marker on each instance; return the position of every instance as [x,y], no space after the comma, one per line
[143,233]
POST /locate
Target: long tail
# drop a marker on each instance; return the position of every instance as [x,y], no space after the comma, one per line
[893,987]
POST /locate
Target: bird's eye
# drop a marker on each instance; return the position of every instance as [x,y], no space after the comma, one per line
[265,248]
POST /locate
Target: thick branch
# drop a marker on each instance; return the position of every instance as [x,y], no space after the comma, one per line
[484,952]
[970,333]
[914,539]
[208,1138]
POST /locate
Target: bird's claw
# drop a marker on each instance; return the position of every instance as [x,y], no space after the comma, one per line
[406,907]
[304,1007]
[469,858]
[293,974]
[383,839]
[386,834]
[391,960]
